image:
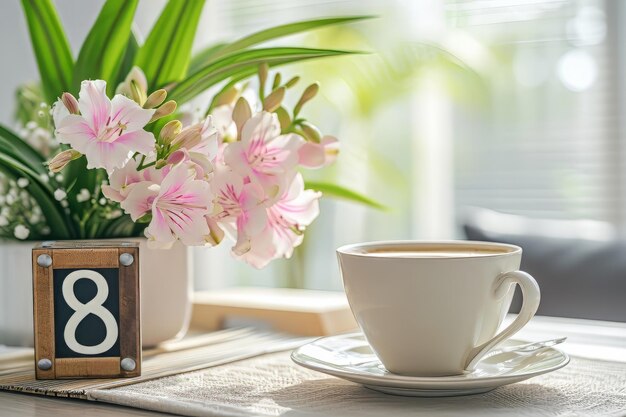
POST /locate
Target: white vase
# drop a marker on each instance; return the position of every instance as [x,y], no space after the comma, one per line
[166,285]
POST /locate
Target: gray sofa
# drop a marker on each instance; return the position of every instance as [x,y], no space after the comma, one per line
[582,277]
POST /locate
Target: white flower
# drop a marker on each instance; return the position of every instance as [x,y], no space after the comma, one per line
[3,221]
[10,199]
[83,195]
[45,230]
[22,182]
[59,194]
[31,125]
[44,177]
[64,203]
[21,232]
[102,201]
[2,199]
[59,178]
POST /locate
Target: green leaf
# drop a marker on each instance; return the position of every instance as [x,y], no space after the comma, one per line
[132,47]
[244,63]
[203,57]
[50,46]
[123,226]
[284,30]
[13,146]
[337,191]
[40,191]
[164,58]
[102,52]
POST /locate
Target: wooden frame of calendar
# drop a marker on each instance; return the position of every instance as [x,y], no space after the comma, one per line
[121,259]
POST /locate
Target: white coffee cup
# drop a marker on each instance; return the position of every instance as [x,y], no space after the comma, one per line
[434,308]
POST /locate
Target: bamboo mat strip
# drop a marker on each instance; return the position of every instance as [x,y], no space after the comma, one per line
[189,354]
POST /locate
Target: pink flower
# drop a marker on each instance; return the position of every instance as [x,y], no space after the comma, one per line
[121,180]
[200,163]
[106,131]
[223,120]
[317,155]
[284,229]
[178,206]
[263,154]
[238,206]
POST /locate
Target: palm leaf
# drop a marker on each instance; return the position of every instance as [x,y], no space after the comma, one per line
[164,58]
[16,148]
[203,57]
[50,46]
[132,47]
[102,52]
[211,53]
[337,191]
[244,62]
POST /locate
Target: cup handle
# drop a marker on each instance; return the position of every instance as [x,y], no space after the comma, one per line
[530,303]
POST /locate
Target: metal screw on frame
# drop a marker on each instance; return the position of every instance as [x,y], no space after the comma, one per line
[128,364]
[44,364]
[126,259]
[44,260]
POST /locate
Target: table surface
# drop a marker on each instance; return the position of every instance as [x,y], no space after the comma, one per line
[586,338]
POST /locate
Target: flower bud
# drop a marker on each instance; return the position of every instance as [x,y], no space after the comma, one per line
[137,93]
[311,133]
[155,99]
[277,79]
[292,82]
[59,162]
[308,94]
[70,103]
[227,97]
[263,70]
[272,102]
[165,110]
[188,138]
[241,114]
[170,131]
[283,118]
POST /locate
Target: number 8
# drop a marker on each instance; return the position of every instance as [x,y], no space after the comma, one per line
[94,306]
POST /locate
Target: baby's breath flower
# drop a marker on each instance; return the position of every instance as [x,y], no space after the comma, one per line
[83,195]
[21,232]
[22,182]
[3,221]
[59,194]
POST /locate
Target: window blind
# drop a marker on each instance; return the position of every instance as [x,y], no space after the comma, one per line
[547,144]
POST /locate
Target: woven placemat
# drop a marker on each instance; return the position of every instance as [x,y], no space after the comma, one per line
[238,373]
[273,385]
[192,353]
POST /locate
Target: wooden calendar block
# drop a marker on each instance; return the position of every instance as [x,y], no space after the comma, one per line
[86,309]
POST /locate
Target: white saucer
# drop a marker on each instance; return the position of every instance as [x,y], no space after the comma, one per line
[350,357]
